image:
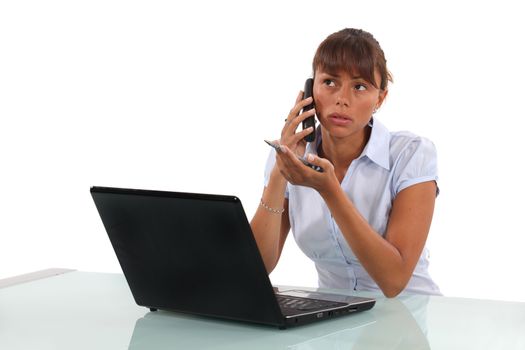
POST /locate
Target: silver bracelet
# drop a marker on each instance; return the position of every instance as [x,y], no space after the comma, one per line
[270,209]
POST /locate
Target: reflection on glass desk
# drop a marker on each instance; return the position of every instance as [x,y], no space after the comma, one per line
[82,310]
[397,329]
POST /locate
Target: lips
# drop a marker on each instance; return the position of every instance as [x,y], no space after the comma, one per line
[339,119]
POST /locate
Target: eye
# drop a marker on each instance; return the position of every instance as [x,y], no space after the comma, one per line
[329,82]
[360,87]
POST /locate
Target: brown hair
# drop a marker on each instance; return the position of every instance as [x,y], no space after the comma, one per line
[355,51]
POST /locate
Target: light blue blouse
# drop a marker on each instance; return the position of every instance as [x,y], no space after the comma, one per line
[390,162]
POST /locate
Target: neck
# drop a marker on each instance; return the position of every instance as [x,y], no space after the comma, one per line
[342,151]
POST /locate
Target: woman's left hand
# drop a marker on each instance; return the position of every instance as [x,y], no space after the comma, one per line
[297,173]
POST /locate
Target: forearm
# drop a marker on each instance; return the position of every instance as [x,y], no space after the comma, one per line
[266,225]
[380,258]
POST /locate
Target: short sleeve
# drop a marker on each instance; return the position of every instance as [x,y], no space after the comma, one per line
[416,163]
[270,163]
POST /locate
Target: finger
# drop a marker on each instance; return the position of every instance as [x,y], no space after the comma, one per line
[301,134]
[316,160]
[294,112]
[294,123]
[289,159]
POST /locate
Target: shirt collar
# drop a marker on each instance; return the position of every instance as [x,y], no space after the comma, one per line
[377,149]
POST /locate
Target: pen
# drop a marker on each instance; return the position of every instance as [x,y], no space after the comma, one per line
[277,147]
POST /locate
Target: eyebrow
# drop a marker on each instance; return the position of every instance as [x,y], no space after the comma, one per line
[335,75]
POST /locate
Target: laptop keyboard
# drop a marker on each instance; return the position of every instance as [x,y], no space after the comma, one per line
[305,304]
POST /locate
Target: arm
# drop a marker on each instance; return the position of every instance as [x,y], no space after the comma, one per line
[270,229]
[389,260]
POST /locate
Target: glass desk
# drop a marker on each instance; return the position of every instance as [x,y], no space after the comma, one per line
[84,310]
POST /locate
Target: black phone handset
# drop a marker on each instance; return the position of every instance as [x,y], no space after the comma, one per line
[310,121]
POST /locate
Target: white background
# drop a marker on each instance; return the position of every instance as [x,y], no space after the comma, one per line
[179,96]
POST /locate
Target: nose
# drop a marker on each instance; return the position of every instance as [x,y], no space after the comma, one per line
[343,97]
[342,102]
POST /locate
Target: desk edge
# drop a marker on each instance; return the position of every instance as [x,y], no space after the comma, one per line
[32,276]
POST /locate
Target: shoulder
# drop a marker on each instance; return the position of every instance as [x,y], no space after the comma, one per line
[387,148]
[407,144]
[413,160]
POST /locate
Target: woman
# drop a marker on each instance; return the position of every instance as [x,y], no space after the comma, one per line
[365,219]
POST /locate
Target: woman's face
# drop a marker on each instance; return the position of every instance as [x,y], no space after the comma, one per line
[344,103]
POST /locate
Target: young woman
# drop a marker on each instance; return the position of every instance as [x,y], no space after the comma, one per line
[365,219]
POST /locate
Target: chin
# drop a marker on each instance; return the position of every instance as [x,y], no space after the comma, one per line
[337,131]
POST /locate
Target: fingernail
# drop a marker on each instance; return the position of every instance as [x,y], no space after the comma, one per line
[283,149]
[310,157]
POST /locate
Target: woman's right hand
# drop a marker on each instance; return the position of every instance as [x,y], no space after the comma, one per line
[289,137]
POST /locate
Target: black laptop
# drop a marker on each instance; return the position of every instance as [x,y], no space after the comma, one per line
[196,254]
